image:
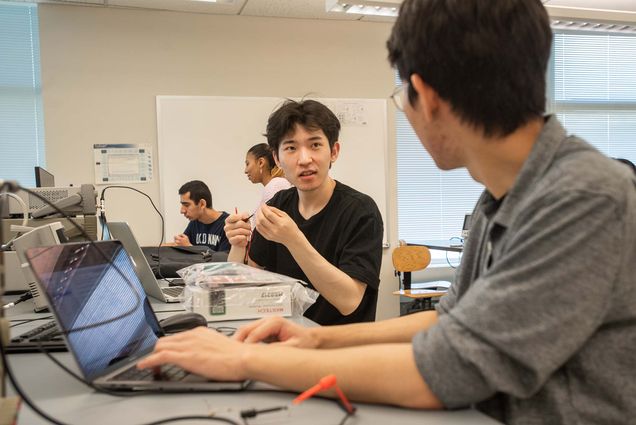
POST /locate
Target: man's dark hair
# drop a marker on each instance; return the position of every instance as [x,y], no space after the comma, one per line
[262,150]
[198,190]
[310,114]
[488,59]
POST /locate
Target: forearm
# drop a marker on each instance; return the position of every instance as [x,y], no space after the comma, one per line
[400,329]
[237,254]
[395,378]
[337,287]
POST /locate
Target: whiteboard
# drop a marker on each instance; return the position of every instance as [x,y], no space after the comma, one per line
[206,138]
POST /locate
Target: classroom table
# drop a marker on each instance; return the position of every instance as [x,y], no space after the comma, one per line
[72,402]
[441,244]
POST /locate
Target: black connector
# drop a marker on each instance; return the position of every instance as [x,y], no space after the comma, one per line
[252,413]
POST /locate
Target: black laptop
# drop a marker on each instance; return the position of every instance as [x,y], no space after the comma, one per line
[102,310]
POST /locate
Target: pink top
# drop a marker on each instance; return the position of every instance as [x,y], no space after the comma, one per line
[274,186]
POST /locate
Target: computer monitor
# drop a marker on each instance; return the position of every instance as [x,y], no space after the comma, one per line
[466,226]
[43,178]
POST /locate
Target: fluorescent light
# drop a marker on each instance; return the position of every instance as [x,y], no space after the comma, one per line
[590,26]
[364,7]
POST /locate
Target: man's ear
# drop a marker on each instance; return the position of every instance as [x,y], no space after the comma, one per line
[427,98]
[335,151]
[275,155]
[202,203]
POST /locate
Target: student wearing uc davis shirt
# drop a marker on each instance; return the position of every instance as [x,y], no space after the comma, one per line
[320,231]
[206,224]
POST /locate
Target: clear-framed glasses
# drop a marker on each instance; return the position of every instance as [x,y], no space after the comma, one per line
[399,96]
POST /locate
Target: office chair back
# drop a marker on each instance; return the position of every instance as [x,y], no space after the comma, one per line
[407,259]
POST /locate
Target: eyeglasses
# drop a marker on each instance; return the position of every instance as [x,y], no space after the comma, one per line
[399,96]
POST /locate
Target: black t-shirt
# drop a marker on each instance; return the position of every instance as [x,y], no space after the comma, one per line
[347,232]
[211,235]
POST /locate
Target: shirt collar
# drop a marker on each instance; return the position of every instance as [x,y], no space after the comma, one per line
[538,162]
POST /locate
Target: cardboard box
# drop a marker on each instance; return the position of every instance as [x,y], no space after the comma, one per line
[238,303]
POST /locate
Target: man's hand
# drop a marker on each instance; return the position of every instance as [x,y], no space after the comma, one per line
[202,351]
[276,226]
[182,240]
[238,230]
[277,329]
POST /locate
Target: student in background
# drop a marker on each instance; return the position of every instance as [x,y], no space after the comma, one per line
[260,167]
[206,224]
[539,326]
[320,231]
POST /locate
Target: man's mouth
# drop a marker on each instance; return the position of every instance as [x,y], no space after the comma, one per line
[307,173]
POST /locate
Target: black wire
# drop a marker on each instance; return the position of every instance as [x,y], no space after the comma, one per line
[84,381]
[280,391]
[99,250]
[23,395]
[22,322]
[189,418]
[163,224]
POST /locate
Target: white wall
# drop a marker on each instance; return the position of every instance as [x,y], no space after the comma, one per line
[103,67]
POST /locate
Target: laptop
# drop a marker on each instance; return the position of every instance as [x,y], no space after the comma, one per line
[106,318]
[121,231]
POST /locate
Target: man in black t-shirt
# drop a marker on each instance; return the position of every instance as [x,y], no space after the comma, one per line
[320,231]
[206,224]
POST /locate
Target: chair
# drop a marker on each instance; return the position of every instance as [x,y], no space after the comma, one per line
[407,259]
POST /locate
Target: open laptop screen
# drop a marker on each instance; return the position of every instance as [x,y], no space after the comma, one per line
[92,294]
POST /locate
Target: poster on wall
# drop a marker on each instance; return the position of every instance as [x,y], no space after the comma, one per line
[122,163]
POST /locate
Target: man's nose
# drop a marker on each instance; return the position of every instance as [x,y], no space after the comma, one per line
[304,156]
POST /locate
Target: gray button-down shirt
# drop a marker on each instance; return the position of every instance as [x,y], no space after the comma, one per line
[540,324]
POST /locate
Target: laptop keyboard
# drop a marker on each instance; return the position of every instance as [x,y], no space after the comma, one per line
[166,373]
[45,337]
[173,292]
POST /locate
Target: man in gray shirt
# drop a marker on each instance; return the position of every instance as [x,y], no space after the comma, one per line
[540,325]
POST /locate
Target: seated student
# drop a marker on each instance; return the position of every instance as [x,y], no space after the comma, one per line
[321,231]
[206,224]
[260,167]
[539,326]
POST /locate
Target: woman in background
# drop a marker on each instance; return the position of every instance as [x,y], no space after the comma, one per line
[261,168]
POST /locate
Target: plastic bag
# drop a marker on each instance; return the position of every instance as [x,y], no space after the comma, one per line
[233,291]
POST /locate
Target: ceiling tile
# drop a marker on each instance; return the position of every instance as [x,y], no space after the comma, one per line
[221,8]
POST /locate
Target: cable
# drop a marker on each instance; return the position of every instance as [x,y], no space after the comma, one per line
[104,256]
[25,217]
[102,198]
[23,395]
[26,296]
[460,255]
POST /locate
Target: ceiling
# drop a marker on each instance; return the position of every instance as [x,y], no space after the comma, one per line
[315,9]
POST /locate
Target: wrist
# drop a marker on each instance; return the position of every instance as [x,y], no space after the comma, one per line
[237,254]
[248,361]
[317,337]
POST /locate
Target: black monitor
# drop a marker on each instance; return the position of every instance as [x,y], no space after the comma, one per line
[43,178]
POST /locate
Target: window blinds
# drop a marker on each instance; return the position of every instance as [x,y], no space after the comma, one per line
[591,88]
[21,122]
